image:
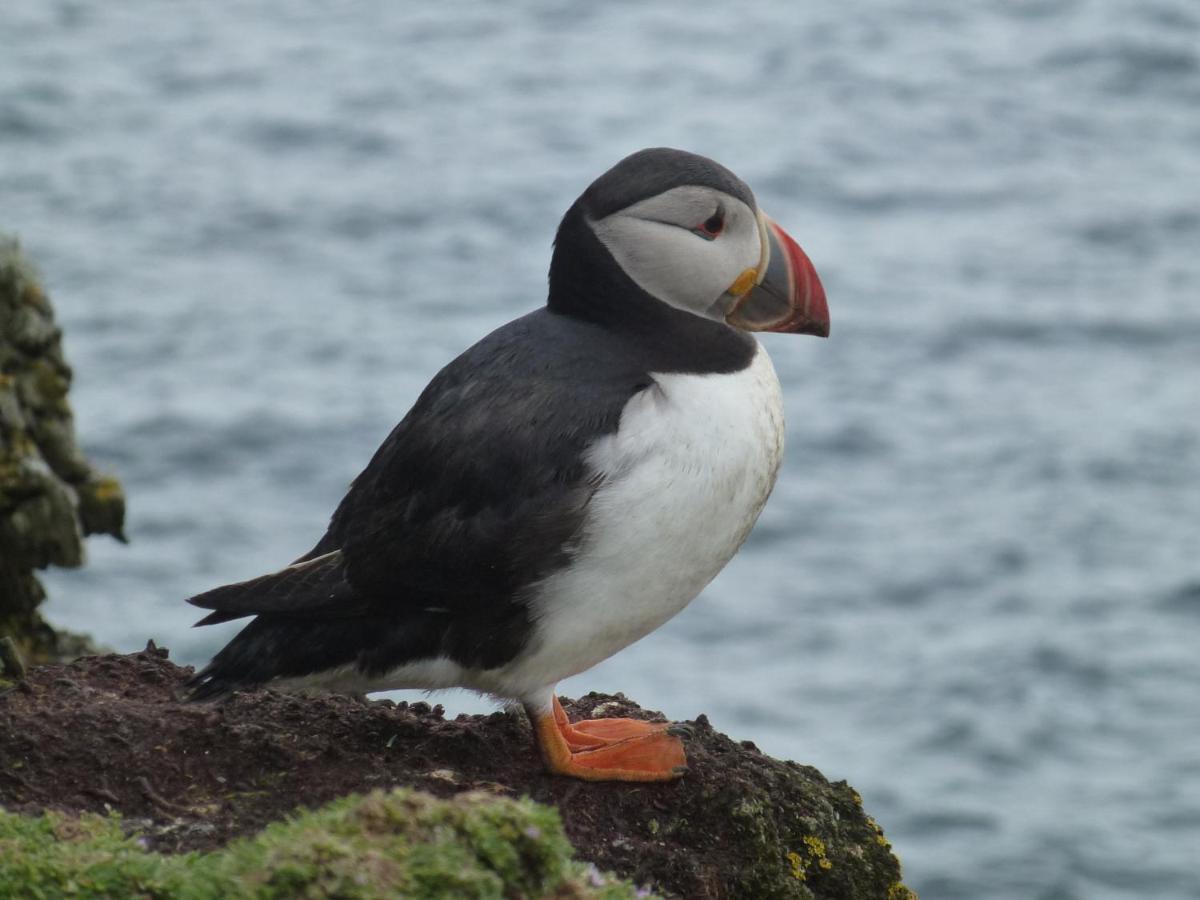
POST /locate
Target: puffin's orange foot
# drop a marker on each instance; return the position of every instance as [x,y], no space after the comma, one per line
[590,734]
[608,749]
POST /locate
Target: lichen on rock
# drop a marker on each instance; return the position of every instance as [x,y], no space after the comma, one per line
[50,496]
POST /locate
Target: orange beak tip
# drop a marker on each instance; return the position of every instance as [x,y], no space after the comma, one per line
[788,297]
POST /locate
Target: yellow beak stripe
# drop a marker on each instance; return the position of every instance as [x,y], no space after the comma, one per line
[743,282]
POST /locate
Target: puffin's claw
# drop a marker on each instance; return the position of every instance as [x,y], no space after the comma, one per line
[608,749]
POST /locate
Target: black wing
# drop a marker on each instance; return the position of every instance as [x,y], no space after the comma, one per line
[477,494]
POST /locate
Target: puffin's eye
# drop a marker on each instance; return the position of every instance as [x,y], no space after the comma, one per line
[712,226]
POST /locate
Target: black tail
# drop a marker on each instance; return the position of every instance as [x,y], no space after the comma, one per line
[311,587]
[309,621]
[274,646]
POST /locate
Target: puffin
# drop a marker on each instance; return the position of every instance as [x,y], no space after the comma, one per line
[563,487]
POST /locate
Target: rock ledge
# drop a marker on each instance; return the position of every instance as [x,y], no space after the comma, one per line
[109,733]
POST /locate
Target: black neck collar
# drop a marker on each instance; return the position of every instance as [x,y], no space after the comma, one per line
[586,283]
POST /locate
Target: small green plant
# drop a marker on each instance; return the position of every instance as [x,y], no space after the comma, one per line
[401,843]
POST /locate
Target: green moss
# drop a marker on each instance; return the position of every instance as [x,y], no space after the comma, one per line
[402,843]
[54,856]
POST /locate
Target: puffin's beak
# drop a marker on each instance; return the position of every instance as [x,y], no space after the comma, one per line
[786,294]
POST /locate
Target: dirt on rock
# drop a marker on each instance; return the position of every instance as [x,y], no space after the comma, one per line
[112,733]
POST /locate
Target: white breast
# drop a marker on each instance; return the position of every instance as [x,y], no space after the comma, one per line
[684,479]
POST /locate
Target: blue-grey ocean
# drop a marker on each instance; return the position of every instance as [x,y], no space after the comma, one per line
[975,593]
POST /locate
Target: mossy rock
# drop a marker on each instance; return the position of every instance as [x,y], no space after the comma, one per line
[50,496]
[401,843]
[111,733]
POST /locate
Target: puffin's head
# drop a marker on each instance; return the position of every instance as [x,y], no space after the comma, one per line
[688,233]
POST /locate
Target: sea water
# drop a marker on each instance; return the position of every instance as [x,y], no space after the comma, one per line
[975,593]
